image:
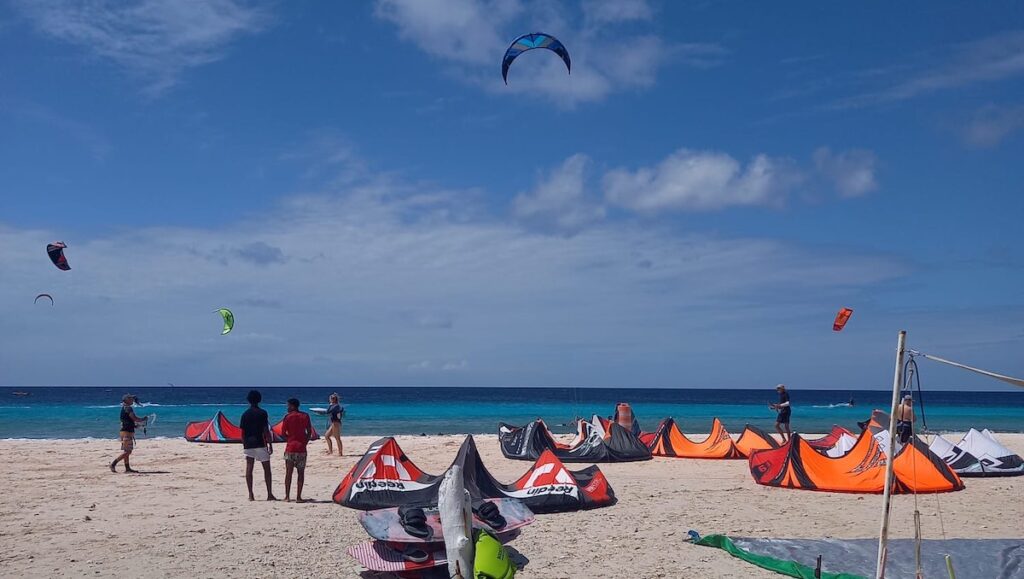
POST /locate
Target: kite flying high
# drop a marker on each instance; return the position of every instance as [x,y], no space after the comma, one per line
[530,42]
[229,320]
[56,252]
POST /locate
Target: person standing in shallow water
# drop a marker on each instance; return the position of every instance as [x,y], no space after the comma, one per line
[256,442]
[784,410]
[128,423]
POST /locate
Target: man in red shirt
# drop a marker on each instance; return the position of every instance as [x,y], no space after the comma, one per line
[297,430]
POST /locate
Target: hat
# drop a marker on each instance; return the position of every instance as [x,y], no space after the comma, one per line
[128,397]
[780,387]
[908,397]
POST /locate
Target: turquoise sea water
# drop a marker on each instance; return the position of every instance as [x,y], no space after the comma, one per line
[67,412]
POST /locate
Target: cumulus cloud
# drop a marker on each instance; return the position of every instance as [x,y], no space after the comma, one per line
[559,201]
[154,39]
[851,172]
[701,181]
[990,125]
[467,34]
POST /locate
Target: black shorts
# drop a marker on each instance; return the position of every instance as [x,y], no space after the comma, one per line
[904,429]
[783,417]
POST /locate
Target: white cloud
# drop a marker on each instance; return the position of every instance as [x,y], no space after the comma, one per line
[701,181]
[560,202]
[471,36]
[990,59]
[155,39]
[464,31]
[375,273]
[990,125]
[600,12]
[851,172]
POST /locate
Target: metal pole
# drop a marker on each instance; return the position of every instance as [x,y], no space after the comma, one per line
[897,381]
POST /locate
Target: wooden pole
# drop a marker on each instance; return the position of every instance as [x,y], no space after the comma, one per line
[897,382]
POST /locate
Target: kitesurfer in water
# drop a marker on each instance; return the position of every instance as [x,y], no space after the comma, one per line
[256,441]
[335,412]
[905,419]
[784,410]
[128,423]
[297,432]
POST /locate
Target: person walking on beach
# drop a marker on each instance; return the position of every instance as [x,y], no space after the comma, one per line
[784,410]
[256,442]
[128,423]
[905,419]
[297,430]
[335,412]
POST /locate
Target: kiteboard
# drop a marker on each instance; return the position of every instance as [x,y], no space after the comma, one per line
[392,557]
[386,524]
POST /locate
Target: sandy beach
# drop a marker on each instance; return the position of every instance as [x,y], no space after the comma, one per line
[64,514]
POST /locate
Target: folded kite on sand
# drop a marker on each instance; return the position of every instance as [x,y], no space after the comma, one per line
[221,430]
[668,440]
[591,444]
[798,465]
[978,454]
[385,477]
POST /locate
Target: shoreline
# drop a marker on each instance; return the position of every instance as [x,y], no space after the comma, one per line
[65,514]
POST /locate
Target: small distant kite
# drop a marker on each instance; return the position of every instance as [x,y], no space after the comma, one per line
[530,42]
[841,318]
[229,320]
[56,252]
[47,296]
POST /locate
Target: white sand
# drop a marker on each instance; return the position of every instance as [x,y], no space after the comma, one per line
[62,513]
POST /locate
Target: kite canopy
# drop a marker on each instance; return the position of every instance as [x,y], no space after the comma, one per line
[838,437]
[217,429]
[229,320]
[841,318]
[592,443]
[856,558]
[798,465]
[48,296]
[978,454]
[753,439]
[56,252]
[530,42]
[385,477]
[670,441]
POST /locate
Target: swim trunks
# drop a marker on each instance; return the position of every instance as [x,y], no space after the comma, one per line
[127,441]
[296,458]
[257,454]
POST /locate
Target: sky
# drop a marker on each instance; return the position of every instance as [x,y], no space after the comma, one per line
[689,207]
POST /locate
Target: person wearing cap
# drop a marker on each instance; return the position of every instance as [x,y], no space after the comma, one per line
[905,419]
[128,423]
[784,410]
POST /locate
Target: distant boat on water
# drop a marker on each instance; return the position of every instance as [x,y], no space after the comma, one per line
[20,393]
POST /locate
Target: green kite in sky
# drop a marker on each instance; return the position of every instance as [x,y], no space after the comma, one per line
[229,320]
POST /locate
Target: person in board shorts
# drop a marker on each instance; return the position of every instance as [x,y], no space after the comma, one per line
[905,419]
[256,442]
[784,410]
[128,423]
[297,430]
[335,412]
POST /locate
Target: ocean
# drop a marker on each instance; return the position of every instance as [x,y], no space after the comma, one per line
[73,412]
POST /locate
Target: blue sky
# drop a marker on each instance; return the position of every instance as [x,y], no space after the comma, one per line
[688,208]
